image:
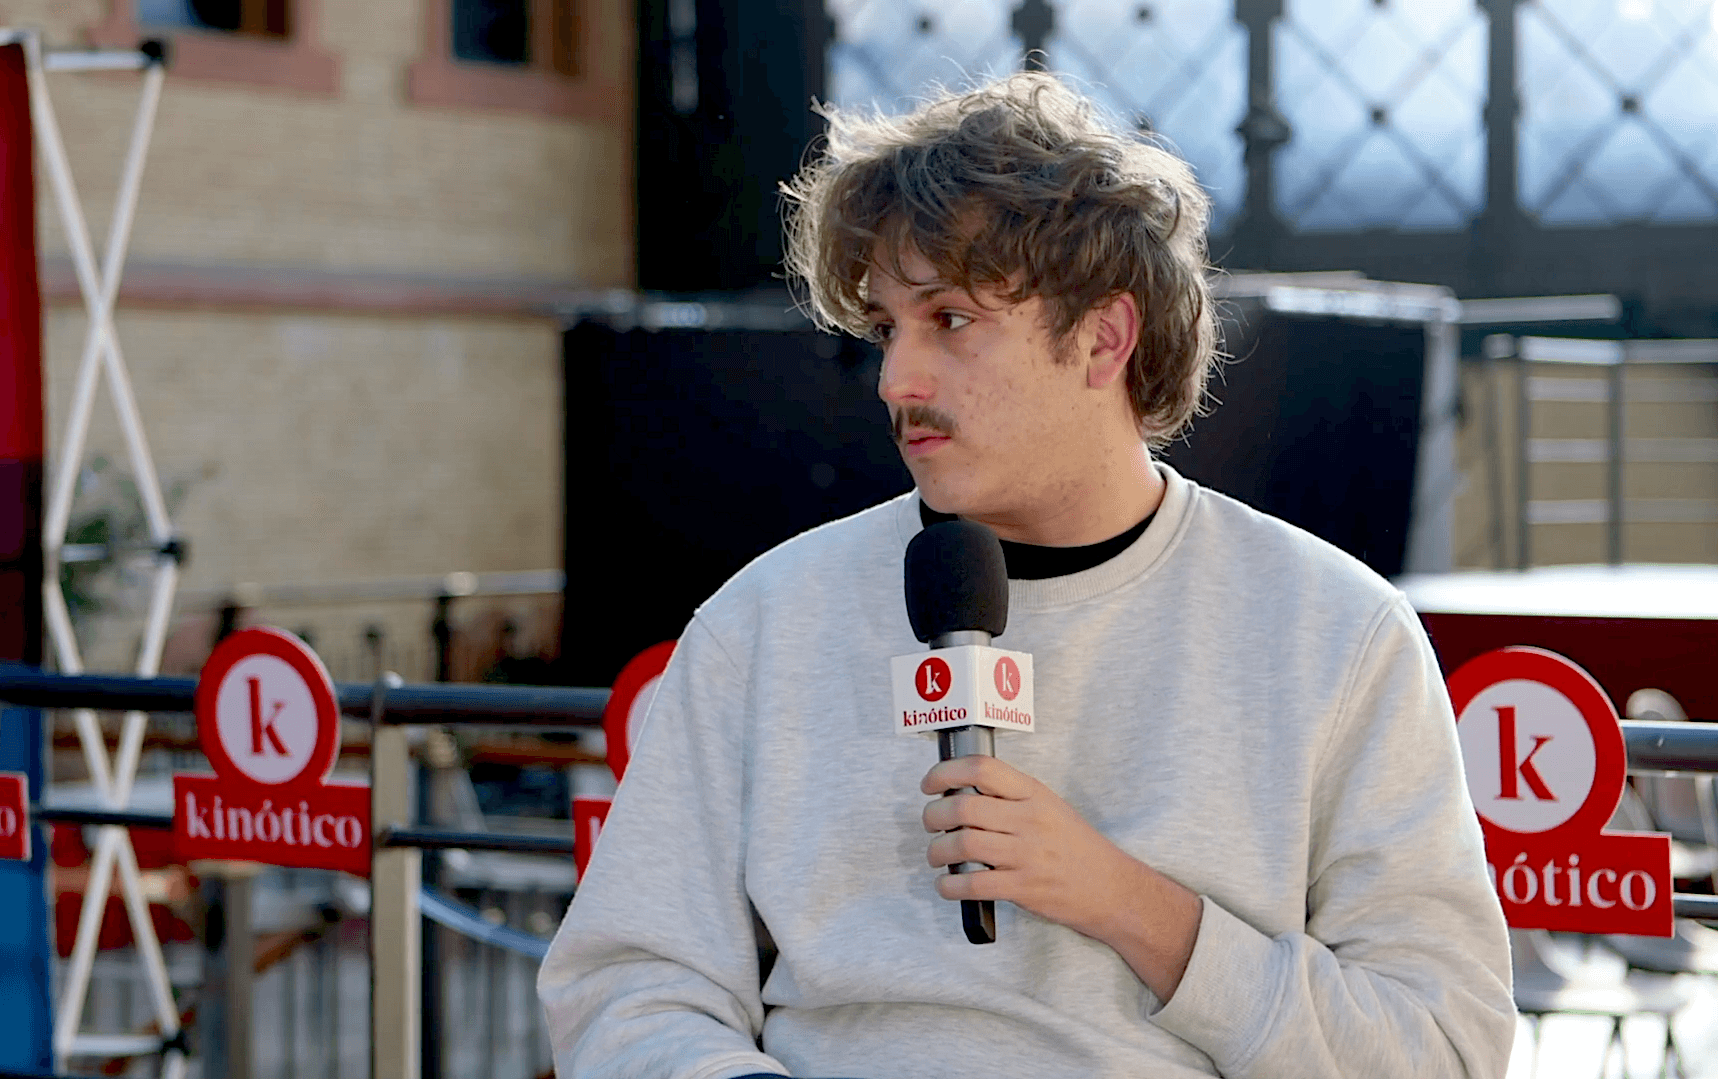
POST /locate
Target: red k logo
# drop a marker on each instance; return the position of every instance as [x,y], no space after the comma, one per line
[263,728]
[1529,754]
[264,713]
[1007,678]
[932,679]
[1512,771]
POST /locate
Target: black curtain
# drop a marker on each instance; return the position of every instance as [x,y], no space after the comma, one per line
[1319,424]
[691,452]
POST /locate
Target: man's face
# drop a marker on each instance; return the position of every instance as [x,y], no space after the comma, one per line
[991,426]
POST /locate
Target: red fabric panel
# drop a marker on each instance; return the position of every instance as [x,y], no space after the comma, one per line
[20,300]
[1623,654]
[20,375]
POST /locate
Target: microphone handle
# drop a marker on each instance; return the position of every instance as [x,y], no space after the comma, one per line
[977,916]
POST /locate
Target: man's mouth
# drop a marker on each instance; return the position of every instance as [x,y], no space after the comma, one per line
[924,443]
[919,429]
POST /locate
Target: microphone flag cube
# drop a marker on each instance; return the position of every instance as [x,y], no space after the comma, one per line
[967,686]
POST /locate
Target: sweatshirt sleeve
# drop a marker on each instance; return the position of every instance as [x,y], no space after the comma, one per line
[1403,968]
[654,972]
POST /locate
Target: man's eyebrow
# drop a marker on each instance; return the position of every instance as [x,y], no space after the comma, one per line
[923,295]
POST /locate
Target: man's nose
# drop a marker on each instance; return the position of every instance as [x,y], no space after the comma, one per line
[906,374]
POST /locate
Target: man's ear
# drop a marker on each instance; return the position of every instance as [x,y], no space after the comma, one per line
[1113,328]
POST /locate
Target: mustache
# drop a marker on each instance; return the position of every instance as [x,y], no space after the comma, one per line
[922,416]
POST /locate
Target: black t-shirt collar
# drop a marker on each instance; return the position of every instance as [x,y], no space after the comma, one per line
[1030,562]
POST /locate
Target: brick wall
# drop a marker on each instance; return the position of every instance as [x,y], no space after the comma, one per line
[320,442]
[359,179]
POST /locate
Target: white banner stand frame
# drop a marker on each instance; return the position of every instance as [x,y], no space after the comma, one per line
[113,779]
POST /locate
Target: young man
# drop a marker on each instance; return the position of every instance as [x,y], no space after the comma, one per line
[1238,844]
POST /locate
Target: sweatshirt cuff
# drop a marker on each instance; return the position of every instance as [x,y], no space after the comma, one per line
[1228,995]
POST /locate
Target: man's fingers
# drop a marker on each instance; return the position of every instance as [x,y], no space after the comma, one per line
[995,778]
[967,810]
[972,845]
[982,884]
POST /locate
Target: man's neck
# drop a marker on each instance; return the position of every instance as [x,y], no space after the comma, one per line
[1030,562]
[1113,497]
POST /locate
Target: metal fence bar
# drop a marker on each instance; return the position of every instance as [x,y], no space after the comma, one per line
[468,923]
[440,839]
[391,589]
[1652,746]
[128,818]
[1702,908]
[440,704]
[1671,747]
[403,836]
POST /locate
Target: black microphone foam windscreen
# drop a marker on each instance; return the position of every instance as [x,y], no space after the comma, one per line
[956,580]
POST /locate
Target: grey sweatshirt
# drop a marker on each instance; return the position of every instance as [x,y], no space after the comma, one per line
[1230,700]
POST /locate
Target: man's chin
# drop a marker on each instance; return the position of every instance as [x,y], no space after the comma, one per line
[940,495]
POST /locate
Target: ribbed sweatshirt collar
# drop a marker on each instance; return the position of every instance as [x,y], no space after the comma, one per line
[1138,560]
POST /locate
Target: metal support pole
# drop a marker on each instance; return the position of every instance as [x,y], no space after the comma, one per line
[429,867]
[229,964]
[1262,130]
[1032,22]
[1614,466]
[395,922]
[429,951]
[441,630]
[1431,533]
[1497,230]
[1523,431]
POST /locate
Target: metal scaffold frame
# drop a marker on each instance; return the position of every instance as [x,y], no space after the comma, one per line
[112,778]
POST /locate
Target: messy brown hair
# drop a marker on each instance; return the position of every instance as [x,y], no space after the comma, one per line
[1022,186]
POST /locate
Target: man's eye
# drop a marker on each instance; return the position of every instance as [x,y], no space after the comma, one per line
[953,320]
[880,332]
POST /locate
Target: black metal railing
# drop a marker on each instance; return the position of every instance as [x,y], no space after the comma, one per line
[1652,746]
[437,703]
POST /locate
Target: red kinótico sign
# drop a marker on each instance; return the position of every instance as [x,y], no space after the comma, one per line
[270,725]
[15,816]
[1546,764]
[629,700]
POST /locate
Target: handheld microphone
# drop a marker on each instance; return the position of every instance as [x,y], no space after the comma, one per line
[957,600]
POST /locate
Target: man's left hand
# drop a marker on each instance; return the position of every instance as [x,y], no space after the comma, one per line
[1048,859]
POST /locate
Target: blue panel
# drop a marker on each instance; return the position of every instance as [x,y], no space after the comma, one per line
[1619,111]
[165,13]
[1176,67]
[1384,100]
[26,1021]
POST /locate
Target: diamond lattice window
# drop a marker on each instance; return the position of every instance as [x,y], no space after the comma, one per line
[1619,118]
[887,53]
[1177,67]
[1384,99]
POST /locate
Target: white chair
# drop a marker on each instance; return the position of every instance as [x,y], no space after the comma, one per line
[1568,975]
[1682,805]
